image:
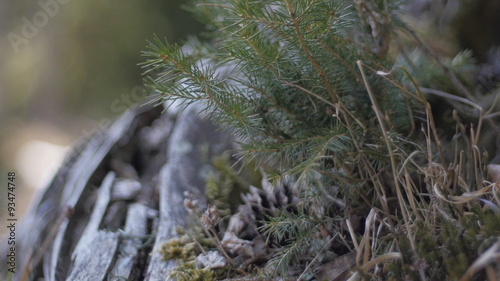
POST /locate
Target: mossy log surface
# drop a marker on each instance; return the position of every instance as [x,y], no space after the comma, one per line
[118,197]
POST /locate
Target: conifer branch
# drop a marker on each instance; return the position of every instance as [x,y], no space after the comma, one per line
[321,73]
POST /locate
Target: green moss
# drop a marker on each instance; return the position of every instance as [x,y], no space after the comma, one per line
[456,265]
[179,248]
[446,248]
[187,271]
[426,244]
[184,250]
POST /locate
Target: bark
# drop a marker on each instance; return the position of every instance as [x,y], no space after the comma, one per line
[118,198]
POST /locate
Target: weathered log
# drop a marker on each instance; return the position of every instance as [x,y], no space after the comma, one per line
[118,197]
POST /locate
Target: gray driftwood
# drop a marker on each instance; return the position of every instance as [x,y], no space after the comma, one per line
[117,198]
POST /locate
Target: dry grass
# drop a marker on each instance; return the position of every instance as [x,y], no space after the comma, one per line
[446,227]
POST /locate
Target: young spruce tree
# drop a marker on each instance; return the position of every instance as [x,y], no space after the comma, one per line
[311,91]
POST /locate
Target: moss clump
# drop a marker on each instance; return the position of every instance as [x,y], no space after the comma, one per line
[187,246]
[446,248]
[184,250]
[187,271]
[179,248]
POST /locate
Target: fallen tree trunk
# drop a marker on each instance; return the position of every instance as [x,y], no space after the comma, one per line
[118,198]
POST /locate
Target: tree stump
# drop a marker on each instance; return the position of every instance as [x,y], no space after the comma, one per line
[118,197]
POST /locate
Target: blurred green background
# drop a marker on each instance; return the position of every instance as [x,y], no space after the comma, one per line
[67,66]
